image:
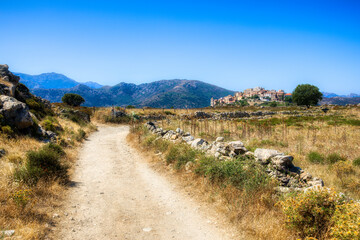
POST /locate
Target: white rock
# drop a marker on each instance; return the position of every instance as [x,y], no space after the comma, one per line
[264,155]
[147,229]
[219,139]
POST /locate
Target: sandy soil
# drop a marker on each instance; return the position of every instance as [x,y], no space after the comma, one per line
[116,195]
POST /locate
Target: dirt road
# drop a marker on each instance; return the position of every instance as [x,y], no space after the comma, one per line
[118,196]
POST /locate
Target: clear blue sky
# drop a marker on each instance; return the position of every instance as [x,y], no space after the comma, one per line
[233,44]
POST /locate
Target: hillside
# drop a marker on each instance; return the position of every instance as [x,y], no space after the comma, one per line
[165,93]
[51,81]
[341,100]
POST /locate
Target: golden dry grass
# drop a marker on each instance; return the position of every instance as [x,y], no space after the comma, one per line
[297,140]
[33,220]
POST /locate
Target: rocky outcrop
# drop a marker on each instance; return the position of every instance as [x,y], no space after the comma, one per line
[8,81]
[279,166]
[15,113]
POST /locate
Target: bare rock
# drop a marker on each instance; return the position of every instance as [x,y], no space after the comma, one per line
[15,113]
[264,155]
[219,139]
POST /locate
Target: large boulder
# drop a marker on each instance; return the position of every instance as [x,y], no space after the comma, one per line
[8,81]
[264,155]
[237,147]
[16,113]
[282,162]
[197,143]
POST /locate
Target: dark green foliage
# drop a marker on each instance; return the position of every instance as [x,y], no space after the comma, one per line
[2,121]
[334,158]
[38,108]
[288,99]
[130,107]
[315,157]
[273,104]
[72,99]
[7,130]
[306,95]
[242,173]
[44,163]
[356,162]
[169,113]
[242,103]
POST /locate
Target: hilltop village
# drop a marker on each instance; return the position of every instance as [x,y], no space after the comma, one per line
[252,96]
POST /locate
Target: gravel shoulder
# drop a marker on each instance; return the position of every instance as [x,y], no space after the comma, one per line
[116,195]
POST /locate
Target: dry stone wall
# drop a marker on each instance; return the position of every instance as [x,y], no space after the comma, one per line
[279,165]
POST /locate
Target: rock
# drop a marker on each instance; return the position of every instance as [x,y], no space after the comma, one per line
[264,155]
[16,113]
[188,138]
[219,139]
[282,162]
[217,154]
[173,137]
[189,166]
[2,152]
[305,176]
[56,215]
[8,233]
[237,147]
[179,131]
[316,182]
[197,143]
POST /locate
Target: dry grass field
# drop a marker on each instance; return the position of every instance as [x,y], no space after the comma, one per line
[28,207]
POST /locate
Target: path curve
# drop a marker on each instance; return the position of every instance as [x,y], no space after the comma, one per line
[118,196]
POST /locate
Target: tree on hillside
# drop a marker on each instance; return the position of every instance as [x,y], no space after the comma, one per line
[306,94]
[72,99]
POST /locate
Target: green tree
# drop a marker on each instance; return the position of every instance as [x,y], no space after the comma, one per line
[72,99]
[288,99]
[306,94]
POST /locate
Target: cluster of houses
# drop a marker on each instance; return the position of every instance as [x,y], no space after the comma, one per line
[255,94]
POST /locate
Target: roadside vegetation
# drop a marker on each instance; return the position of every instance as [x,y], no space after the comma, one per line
[325,144]
[35,170]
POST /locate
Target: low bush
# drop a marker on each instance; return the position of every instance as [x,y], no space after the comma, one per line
[242,173]
[169,113]
[309,213]
[44,163]
[356,162]
[346,222]
[112,119]
[315,157]
[180,154]
[334,158]
[80,135]
[7,130]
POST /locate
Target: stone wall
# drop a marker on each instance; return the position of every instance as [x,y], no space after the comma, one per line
[278,165]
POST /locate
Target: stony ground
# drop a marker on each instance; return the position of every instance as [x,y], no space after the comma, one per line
[116,195]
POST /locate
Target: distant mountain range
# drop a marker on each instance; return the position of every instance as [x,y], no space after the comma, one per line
[176,93]
[331,95]
[52,81]
[165,93]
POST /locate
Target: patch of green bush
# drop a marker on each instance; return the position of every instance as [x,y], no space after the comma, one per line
[169,113]
[243,173]
[7,130]
[334,158]
[44,163]
[112,119]
[180,154]
[315,157]
[356,162]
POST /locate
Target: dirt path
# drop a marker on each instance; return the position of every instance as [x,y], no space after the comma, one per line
[117,196]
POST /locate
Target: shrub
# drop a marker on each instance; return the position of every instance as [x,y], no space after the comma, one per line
[242,173]
[1,120]
[169,113]
[21,197]
[346,222]
[72,99]
[44,163]
[81,134]
[343,169]
[180,155]
[49,126]
[356,162]
[315,157]
[130,107]
[309,213]
[273,104]
[7,130]
[334,158]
